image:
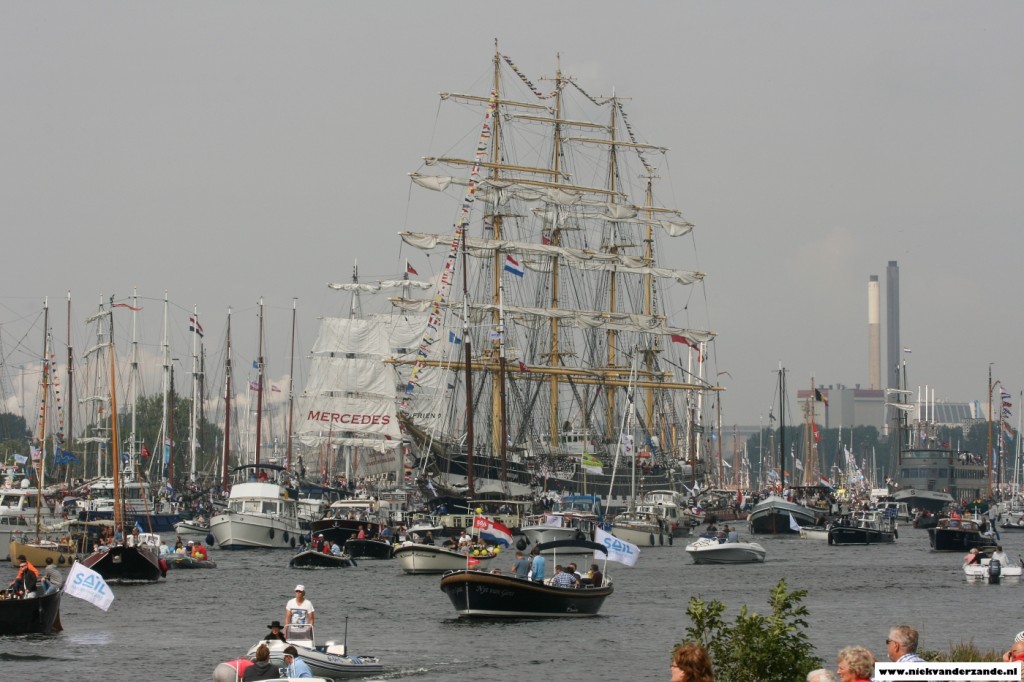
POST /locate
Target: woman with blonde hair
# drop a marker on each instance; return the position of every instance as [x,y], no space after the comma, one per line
[855,664]
[691,663]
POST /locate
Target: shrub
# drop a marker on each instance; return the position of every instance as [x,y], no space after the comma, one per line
[772,648]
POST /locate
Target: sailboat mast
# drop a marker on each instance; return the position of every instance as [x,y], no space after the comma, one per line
[227,409]
[165,420]
[782,425]
[259,388]
[114,450]
[69,390]
[42,414]
[194,412]
[133,378]
[291,386]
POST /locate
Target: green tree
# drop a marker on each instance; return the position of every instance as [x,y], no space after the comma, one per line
[14,434]
[772,648]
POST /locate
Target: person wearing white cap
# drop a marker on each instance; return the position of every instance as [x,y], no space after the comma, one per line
[299,611]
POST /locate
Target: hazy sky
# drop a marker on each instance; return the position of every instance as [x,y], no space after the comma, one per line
[232,150]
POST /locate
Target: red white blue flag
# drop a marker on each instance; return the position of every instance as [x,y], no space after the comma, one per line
[513,266]
[492,531]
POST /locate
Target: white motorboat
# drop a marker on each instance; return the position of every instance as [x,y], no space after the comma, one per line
[574,517]
[330,660]
[712,551]
[983,572]
[814,533]
[415,558]
[261,513]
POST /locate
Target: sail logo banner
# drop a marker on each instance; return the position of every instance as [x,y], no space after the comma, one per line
[619,551]
[89,585]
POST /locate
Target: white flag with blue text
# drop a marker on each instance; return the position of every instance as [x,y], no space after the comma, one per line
[619,551]
[89,585]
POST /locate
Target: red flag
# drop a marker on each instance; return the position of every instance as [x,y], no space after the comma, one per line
[129,307]
[817,434]
[523,367]
[677,338]
[471,561]
[410,269]
[145,451]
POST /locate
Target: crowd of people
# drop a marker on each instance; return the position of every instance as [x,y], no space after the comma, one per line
[692,663]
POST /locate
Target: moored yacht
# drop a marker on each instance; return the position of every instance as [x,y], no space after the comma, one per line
[261,512]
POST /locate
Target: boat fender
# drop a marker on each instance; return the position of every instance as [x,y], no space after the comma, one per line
[163,568]
[354,563]
[230,671]
[285,536]
[661,539]
[580,536]
[521,545]
[669,540]
[271,533]
[896,533]
[209,539]
[60,559]
[651,539]
[292,541]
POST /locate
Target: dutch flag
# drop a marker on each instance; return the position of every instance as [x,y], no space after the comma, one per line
[513,266]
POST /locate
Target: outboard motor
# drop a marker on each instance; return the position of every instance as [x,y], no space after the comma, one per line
[995,569]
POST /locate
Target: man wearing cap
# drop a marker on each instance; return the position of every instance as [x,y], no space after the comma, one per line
[296,666]
[299,611]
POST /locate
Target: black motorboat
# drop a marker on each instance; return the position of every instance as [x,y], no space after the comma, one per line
[34,615]
[868,528]
[479,594]
[958,535]
[369,549]
[311,558]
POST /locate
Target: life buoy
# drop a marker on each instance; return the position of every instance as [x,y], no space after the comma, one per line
[271,533]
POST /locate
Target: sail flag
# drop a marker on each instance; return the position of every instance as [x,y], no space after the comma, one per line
[448,272]
[129,307]
[820,397]
[619,551]
[793,525]
[454,338]
[89,585]
[679,338]
[513,266]
[591,463]
[492,531]
[20,459]
[825,482]
[817,433]
[194,326]
[409,269]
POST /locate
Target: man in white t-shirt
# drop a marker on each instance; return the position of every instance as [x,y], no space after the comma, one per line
[299,611]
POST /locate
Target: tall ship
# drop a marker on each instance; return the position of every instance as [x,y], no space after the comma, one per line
[552,307]
[931,473]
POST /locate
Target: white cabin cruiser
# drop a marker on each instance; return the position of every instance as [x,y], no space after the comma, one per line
[713,551]
[261,512]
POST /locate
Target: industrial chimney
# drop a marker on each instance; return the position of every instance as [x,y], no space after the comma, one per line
[874,334]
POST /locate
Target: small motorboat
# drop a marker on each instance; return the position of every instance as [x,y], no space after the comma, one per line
[181,561]
[714,551]
[814,532]
[479,594]
[311,558]
[330,660]
[197,527]
[986,571]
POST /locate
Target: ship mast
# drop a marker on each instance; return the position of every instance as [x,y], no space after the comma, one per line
[42,414]
[227,408]
[70,390]
[291,387]
[259,388]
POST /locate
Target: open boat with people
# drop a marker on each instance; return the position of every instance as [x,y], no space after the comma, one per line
[367,548]
[708,550]
[987,570]
[958,535]
[417,558]
[480,594]
[312,558]
[20,615]
[329,660]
